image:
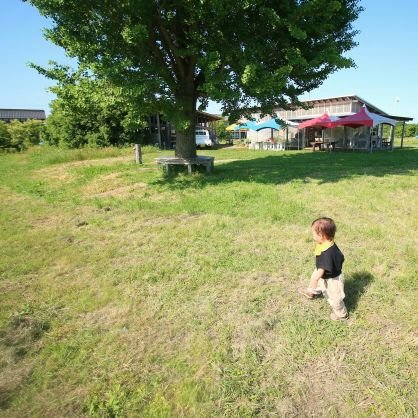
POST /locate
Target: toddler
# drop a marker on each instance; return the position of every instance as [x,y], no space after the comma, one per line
[327,278]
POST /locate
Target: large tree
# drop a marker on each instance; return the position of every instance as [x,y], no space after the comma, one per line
[175,53]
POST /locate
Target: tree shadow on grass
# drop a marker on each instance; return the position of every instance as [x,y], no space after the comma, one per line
[280,168]
[355,286]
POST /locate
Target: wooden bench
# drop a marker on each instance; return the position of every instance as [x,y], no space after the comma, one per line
[167,162]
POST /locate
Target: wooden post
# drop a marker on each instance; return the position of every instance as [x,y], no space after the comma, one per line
[138,154]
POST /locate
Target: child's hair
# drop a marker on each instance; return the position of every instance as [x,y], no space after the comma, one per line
[325,226]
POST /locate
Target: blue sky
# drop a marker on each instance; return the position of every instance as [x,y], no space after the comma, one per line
[386,58]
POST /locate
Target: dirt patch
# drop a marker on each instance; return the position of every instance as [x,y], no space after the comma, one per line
[169,219]
[9,197]
[52,221]
[60,172]
[392,333]
[119,191]
[12,377]
[100,161]
[102,184]
[55,173]
[106,318]
[318,377]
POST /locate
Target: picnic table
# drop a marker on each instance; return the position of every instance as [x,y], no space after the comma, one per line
[328,145]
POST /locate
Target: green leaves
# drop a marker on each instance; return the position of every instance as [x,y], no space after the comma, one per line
[297,32]
[134,34]
[92,111]
[249,74]
[20,135]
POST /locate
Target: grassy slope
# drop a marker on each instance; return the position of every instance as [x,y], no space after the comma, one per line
[124,293]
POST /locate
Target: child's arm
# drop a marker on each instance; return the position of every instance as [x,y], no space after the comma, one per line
[312,290]
[316,275]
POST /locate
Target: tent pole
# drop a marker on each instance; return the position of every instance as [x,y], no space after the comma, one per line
[393,136]
[345,138]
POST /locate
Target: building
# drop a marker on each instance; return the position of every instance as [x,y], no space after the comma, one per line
[7,115]
[163,133]
[334,106]
[340,106]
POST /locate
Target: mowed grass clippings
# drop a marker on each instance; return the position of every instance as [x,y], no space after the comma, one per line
[129,293]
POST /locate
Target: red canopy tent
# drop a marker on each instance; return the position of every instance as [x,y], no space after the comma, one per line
[361,118]
[323,121]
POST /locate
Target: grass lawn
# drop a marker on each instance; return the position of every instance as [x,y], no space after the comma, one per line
[127,294]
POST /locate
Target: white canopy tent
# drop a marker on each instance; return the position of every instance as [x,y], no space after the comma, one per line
[378,119]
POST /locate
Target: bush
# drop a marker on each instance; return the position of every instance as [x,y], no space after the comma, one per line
[5,139]
[20,135]
[411,129]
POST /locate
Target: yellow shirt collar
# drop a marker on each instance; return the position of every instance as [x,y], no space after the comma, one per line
[320,248]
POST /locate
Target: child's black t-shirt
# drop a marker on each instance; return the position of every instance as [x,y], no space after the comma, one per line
[331,260]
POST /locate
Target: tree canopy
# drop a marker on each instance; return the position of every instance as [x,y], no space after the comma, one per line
[172,54]
[90,111]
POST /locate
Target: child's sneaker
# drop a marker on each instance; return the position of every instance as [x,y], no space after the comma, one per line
[309,293]
[339,318]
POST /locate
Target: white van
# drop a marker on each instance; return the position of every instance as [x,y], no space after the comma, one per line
[202,138]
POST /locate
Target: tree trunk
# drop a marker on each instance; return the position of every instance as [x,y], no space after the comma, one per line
[186,122]
[186,141]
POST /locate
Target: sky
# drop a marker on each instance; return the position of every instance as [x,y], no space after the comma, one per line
[386,57]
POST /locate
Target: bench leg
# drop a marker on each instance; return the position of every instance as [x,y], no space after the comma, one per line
[189,168]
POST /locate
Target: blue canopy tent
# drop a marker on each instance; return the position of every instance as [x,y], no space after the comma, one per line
[268,124]
[246,126]
[271,123]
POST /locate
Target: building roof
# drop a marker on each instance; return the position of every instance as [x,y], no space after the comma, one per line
[355,97]
[208,116]
[10,114]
